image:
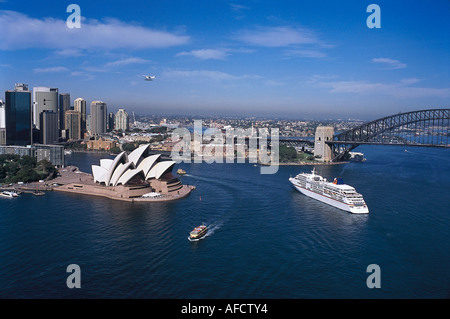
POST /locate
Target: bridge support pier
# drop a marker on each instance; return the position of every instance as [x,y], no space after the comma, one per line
[321,148]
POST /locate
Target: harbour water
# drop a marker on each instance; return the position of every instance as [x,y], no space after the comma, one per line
[266,240]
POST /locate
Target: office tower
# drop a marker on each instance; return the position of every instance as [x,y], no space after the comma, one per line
[44,98]
[122,121]
[80,105]
[98,117]
[49,127]
[73,125]
[88,123]
[111,119]
[2,114]
[2,124]
[64,105]
[17,117]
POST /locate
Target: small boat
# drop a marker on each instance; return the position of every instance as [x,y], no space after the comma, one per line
[198,232]
[38,193]
[8,194]
[181,171]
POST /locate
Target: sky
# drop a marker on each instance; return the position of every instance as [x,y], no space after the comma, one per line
[294,59]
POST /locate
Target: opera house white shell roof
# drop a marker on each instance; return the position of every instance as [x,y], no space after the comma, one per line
[123,167]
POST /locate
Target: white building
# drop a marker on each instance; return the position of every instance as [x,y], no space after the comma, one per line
[44,99]
[2,115]
[122,120]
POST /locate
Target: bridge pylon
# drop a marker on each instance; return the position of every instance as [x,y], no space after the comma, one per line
[322,150]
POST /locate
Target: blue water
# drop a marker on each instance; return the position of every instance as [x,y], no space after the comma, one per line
[266,240]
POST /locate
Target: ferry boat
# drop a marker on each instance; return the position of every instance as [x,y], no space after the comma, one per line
[198,232]
[8,194]
[336,194]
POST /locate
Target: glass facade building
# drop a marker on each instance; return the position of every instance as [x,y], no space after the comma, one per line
[18,122]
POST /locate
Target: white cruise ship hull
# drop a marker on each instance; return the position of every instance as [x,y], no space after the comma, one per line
[330,201]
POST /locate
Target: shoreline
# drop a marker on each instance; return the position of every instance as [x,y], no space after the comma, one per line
[90,191]
[71,180]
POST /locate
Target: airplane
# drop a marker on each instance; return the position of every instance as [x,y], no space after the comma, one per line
[149,77]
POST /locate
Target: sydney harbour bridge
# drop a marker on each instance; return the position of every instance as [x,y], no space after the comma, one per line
[428,128]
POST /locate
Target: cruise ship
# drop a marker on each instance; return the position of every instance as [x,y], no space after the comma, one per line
[336,194]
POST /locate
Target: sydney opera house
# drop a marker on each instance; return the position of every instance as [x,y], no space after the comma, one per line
[137,176]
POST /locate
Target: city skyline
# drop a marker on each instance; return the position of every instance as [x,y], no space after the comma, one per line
[288,59]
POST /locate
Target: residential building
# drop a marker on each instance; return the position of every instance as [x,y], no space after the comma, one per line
[122,121]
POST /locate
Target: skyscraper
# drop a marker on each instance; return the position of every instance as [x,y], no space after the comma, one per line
[122,121]
[73,124]
[64,105]
[18,116]
[111,118]
[80,106]
[2,124]
[44,98]
[98,117]
[49,127]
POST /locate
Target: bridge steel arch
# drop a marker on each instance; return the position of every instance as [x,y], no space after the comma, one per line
[434,122]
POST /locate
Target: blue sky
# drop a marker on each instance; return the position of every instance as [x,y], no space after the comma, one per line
[302,59]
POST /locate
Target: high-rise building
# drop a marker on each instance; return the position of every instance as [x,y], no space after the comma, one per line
[17,116]
[111,119]
[2,114]
[49,127]
[122,121]
[88,123]
[98,117]
[2,124]
[44,98]
[80,105]
[64,105]
[73,125]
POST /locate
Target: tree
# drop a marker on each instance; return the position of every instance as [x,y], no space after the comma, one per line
[27,161]
[46,168]
[129,147]
[11,168]
[115,150]
[2,172]
[26,175]
[160,129]
[287,153]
